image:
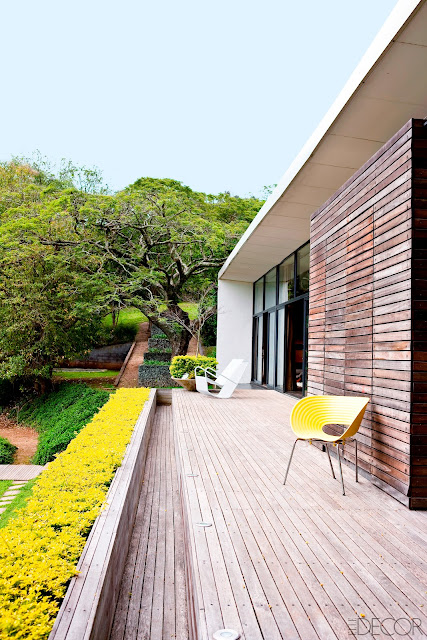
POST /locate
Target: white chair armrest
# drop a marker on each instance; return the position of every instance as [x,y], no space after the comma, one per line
[205,370]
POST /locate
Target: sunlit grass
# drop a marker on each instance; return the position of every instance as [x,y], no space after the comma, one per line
[4,486]
[80,375]
[17,503]
[132,318]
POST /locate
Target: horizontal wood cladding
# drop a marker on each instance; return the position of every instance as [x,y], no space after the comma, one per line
[368,309]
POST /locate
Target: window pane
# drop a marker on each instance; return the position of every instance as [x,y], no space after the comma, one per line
[286,280]
[259,286]
[259,351]
[270,289]
[271,348]
[280,347]
[303,269]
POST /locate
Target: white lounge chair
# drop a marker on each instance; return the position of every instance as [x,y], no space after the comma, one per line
[227,381]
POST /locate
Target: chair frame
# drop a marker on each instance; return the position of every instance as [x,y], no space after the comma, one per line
[325,443]
[214,381]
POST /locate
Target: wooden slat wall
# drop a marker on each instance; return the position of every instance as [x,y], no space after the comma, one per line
[419,318]
[363,234]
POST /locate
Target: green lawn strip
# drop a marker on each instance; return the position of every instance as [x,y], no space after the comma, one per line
[4,486]
[80,375]
[17,503]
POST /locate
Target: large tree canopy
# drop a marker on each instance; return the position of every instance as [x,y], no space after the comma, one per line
[68,252]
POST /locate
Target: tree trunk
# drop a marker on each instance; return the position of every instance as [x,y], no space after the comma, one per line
[178,335]
[180,343]
[43,385]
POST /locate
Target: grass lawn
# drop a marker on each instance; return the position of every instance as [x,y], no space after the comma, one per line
[16,505]
[191,308]
[132,318]
[4,485]
[65,374]
[129,318]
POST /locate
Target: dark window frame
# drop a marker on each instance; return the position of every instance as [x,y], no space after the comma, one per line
[274,309]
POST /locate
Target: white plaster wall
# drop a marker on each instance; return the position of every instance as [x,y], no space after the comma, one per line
[234,334]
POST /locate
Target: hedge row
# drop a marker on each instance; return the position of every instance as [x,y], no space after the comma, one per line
[40,548]
[187,364]
[7,451]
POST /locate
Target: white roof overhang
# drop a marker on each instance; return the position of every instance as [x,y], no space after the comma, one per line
[388,88]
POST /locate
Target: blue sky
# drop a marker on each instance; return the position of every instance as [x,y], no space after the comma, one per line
[221,95]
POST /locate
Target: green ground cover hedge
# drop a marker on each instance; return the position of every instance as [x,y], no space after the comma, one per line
[7,451]
[60,415]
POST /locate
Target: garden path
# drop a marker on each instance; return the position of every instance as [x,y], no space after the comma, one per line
[130,374]
[24,438]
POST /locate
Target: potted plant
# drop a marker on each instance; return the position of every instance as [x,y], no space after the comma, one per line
[182,369]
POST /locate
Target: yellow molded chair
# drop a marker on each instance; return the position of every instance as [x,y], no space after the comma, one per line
[310,415]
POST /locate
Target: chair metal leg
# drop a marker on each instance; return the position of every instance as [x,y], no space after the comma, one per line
[339,464]
[290,460]
[330,461]
[357,471]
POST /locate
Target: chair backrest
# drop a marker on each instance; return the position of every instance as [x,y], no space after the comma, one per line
[229,371]
[310,414]
[229,386]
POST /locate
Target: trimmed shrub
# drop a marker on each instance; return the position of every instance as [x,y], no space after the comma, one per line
[187,364]
[40,548]
[58,417]
[7,451]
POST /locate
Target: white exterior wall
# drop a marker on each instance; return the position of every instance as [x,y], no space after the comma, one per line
[234,333]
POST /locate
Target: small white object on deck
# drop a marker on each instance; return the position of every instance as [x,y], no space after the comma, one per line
[226,633]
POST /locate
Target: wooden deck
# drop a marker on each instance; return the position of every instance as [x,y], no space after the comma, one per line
[152,600]
[20,471]
[295,562]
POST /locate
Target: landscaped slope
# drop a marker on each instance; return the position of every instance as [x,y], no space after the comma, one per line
[40,548]
[60,415]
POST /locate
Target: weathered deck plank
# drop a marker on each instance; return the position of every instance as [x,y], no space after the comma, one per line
[300,561]
[152,601]
[20,471]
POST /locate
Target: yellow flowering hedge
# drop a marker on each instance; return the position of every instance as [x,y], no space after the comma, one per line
[39,549]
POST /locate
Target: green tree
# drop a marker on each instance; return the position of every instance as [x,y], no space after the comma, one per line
[150,246]
[50,303]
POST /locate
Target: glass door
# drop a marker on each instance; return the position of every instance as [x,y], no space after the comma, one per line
[259,349]
[271,340]
[295,347]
